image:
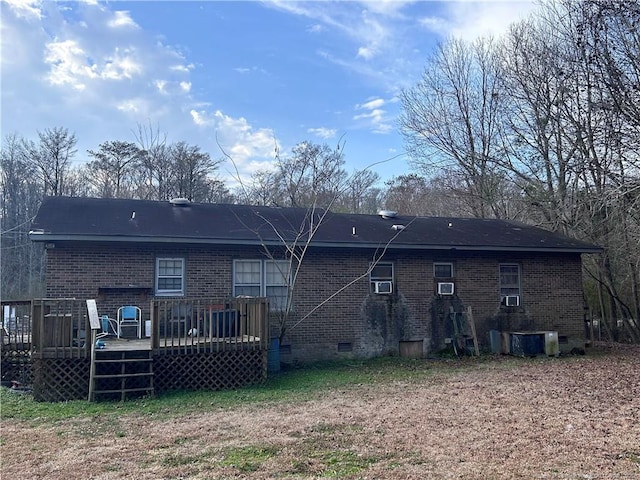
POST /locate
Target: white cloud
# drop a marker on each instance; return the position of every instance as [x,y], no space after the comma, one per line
[121,65]
[375,36]
[359,21]
[28,9]
[374,116]
[371,104]
[315,28]
[182,68]
[69,64]
[160,85]
[374,32]
[131,106]
[201,118]
[323,132]
[390,8]
[166,87]
[121,18]
[246,145]
[472,19]
[366,52]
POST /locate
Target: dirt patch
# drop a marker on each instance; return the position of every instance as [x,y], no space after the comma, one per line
[568,418]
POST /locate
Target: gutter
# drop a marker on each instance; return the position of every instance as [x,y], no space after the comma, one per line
[37,236]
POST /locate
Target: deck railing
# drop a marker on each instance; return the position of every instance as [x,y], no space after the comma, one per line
[60,328]
[15,325]
[194,325]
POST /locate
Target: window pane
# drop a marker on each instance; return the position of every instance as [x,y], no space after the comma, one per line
[277,297]
[248,291]
[169,283]
[277,272]
[247,272]
[443,270]
[169,267]
[509,280]
[382,271]
[170,276]
[509,275]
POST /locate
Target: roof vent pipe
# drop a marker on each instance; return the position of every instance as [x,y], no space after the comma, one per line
[388,214]
[180,202]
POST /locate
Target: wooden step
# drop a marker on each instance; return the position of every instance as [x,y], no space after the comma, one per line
[125,375]
[126,358]
[123,360]
[126,390]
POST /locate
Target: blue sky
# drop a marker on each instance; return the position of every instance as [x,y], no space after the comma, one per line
[251,74]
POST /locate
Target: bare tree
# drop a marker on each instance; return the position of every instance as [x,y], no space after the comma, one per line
[261,189]
[21,267]
[598,125]
[51,158]
[571,140]
[360,194]
[191,171]
[450,119]
[153,175]
[112,168]
[217,192]
[312,174]
[313,181]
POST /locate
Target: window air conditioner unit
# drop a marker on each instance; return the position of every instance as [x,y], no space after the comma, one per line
[385,287]
[445,288]
[512,300]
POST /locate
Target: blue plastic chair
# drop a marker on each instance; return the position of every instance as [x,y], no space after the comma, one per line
[129,316]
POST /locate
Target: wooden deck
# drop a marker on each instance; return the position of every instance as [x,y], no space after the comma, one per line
[126,345]
[115,344]
[194,344]
[60,328]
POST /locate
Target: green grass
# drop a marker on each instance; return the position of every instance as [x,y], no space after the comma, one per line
[343,463]
[292,385]
[249,458]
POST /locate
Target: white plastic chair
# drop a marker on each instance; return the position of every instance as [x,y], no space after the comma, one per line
[129,315]
[109,327]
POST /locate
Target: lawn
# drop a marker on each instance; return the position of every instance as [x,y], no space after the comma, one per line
[574,417]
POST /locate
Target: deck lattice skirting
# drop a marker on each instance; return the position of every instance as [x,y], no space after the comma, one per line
[60,379]
[209,371]
[15,365]
[229,350]
[57,380]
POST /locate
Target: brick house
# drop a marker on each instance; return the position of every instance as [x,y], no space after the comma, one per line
[367,284]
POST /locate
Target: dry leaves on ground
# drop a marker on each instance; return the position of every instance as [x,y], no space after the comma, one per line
[566,418]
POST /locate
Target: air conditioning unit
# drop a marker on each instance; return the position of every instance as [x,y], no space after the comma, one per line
[512,300]
[385,287]
[445,288]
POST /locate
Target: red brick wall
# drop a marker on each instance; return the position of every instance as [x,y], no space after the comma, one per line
[353,322]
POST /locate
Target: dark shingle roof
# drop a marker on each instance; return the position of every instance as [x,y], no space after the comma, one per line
[100,219]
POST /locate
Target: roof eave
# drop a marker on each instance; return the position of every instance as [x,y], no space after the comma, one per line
[48,237]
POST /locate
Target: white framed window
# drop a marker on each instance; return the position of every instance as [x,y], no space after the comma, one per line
[381,278]
[443,270]
[509,283]
[170,276]
[276,282]
[263,278]
[247,278]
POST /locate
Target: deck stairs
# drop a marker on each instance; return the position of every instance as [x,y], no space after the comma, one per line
[120,374]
